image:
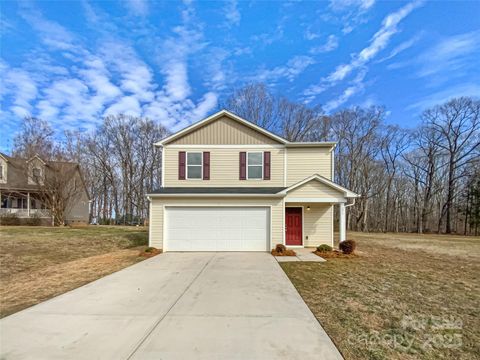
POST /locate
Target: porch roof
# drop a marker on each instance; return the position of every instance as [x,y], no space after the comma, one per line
[323,180]
[218,191]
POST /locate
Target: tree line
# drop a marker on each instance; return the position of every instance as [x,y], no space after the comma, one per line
[425,179]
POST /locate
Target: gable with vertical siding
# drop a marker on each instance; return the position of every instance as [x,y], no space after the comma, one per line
[315,189]
[224,131]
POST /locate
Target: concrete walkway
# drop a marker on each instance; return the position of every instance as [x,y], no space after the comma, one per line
[174,306]
[303,254]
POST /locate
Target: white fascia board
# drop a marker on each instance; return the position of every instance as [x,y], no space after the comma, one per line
[36,156]
[330,144]
[315,200]
[227,146]
[216,116]
[346,192]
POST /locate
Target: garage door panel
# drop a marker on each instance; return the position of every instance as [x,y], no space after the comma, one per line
[217,228]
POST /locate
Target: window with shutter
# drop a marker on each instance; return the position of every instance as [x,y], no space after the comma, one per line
[194,165]
[254,165]
[206,165]
[243,165]
[266,165]
[181,165]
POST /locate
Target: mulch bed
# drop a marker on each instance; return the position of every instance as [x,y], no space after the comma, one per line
[284,253]
[151,253]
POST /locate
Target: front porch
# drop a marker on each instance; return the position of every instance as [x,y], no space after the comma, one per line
[309,224]
[309,212]
[22,205]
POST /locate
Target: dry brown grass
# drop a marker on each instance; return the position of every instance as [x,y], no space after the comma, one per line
[389,301]
[37,263]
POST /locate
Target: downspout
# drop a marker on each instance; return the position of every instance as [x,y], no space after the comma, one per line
[149,221]
[348,205]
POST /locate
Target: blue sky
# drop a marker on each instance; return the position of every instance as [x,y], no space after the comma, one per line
[73,62]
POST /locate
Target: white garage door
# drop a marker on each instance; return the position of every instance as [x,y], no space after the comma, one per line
[217,228]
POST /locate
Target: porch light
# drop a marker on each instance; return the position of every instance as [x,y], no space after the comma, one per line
[308,208]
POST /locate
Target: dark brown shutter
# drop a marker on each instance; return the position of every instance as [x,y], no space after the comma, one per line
[243,165]
[266,165]
[181,165]
[206,165]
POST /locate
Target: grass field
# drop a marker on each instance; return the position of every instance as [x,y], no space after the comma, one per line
[403,297]
[37,263]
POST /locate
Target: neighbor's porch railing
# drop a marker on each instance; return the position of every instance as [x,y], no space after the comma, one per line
[24,213]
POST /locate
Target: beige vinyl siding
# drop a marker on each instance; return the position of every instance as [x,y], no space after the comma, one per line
[224,167]
[158,204]
[314,189]
[156,224]
[224,131]
[303,162]
[317,224]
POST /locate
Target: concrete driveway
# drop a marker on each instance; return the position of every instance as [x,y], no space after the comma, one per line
[174,306]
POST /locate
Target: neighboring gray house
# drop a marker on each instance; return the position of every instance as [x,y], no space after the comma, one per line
[24,184]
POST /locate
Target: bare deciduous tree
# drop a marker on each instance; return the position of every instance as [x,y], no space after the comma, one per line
[35,137]
[457,124]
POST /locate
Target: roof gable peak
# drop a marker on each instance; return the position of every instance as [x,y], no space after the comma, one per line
[218,115]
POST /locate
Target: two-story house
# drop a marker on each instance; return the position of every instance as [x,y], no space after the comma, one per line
[230,185]
[25,184]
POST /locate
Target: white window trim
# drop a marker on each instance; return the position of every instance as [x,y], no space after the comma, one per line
[201,165]
[263,158]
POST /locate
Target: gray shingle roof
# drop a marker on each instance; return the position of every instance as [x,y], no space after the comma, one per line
[218,190]
[17,172]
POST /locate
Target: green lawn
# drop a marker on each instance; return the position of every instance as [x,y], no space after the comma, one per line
[37,263]
[403,297]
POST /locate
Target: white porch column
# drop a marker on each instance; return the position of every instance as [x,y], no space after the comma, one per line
[28,204]
[342,228]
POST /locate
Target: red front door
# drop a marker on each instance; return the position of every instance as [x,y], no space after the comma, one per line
[293,226]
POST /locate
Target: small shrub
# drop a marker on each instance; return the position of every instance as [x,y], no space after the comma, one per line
[280,248]
[324,248]
[348,246]
[35,220]
[150,251]
[9,219]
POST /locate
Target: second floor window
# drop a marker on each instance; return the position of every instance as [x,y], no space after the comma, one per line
[37,173]
[194,165]
[255,165]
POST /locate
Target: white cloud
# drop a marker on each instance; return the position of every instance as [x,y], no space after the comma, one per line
[22,88]
[138,7]
[355,87]
[206,104]
[468,89]
[231,12]
[110,77]
[290,71]
[310,35]
[452,53]
[339,5]
[352,13]
[377,43]
[127,105]
[401,48]
[51,33]
[136,77]
[330,45]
